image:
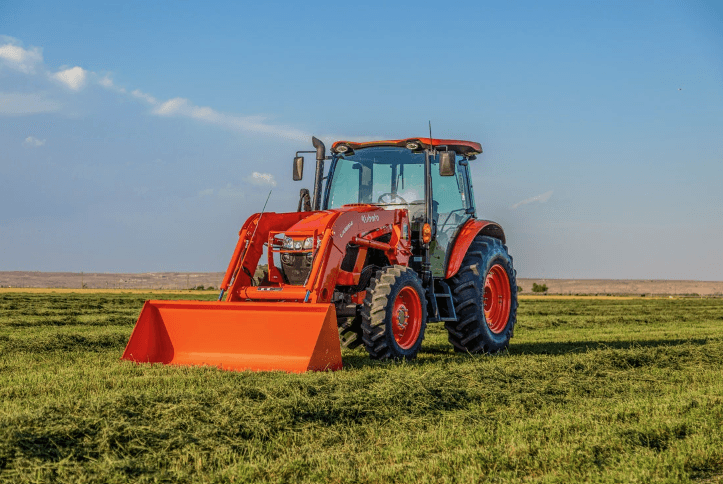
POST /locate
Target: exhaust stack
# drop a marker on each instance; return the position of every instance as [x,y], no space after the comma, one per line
[320,156]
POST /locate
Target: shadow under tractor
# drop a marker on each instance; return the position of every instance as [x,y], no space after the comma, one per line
[388,242]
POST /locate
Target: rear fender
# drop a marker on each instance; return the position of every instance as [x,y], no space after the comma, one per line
[467,233]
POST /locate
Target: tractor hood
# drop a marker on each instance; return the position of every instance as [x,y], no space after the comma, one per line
[318,221]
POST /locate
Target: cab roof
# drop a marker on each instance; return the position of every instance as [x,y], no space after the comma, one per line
[465,148]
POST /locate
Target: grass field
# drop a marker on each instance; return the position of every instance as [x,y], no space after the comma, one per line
[597,390]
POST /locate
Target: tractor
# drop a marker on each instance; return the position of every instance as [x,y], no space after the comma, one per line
[387,242]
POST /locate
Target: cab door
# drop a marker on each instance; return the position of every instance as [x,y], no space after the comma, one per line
[454,205]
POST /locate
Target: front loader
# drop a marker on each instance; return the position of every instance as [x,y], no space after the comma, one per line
[387,242]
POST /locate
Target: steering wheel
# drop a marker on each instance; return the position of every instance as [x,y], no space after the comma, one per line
[392,196]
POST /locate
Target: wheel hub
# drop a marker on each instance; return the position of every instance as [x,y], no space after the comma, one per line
[402,317]
[497,298]
[406,317]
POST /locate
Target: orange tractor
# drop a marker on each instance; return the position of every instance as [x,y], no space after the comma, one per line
[388,242]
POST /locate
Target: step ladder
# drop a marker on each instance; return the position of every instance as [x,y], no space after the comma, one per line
[443,303]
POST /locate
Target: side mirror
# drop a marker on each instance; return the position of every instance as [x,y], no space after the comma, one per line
[298,168]
[446,163]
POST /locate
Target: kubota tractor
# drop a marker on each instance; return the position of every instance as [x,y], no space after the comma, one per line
[388,242]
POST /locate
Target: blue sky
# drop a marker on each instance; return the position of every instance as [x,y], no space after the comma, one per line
[130,132]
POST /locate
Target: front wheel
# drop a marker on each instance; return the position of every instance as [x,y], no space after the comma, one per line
[394,314]
[485,298]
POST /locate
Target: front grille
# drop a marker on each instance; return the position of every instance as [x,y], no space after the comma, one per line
[295,267]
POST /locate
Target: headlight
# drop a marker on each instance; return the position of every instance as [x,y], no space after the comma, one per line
[288,243]
[309,243]
[297,244]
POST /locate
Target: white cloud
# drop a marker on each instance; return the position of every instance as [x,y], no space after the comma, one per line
[21,103]
[261,179]
[206,193]
[106,82]
[170,107]
[74,78]
[256,124]
[33,141]
[179,106]
[17,58]
[537,198]
[146,97]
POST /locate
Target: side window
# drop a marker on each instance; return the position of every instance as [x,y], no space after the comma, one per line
[448,191]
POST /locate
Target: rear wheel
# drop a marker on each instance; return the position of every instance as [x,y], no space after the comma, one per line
[485,298]
[394,314]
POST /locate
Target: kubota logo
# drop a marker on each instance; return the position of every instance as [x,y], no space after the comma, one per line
[370,218]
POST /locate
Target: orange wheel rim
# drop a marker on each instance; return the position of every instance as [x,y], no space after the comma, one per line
[406,318]
[497,298]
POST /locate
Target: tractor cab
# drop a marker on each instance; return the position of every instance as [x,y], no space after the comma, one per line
[407,174]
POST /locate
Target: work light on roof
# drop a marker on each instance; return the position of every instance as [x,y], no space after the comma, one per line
[342,149]
[412,145]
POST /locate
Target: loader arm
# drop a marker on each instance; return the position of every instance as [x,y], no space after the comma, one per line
[246,256]
[332,231]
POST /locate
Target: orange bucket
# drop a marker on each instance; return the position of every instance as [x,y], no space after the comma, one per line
[288,336]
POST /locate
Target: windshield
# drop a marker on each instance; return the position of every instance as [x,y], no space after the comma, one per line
[393,176]
[384,176]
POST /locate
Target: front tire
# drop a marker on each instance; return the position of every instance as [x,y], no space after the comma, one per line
[485,298]
[394,314]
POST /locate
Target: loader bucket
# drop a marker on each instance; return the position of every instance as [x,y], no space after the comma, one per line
[293,337]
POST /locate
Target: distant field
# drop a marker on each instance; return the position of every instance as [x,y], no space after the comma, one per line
[189,294]
[178,281]
[596,390]
[204,294]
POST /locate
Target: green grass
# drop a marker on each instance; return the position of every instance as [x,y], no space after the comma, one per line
[590,390]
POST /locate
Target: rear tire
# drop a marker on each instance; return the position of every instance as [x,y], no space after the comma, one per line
[394,314]
[485,298]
